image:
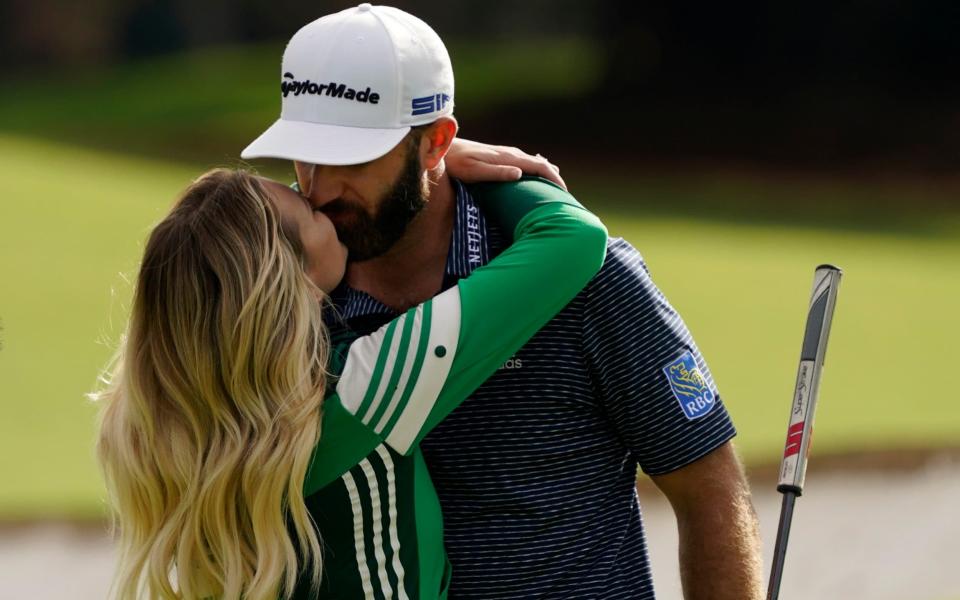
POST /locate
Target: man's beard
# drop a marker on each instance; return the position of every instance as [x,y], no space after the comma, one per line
[368,236]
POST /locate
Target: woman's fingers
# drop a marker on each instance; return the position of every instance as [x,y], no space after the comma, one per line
[530,164]
[473,161]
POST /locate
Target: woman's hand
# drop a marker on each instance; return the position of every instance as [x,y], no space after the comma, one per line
[473,161]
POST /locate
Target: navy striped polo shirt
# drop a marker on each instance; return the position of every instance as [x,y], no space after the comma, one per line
[536,471]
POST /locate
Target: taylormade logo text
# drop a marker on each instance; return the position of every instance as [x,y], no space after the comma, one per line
[333,89]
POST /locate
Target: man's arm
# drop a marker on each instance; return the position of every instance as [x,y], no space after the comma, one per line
[718,527]
[663,403]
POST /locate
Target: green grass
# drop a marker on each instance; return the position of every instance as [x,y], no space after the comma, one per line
[70,224]
[73,221]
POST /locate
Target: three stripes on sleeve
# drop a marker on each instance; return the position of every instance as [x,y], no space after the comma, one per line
[393,377]
[376,573]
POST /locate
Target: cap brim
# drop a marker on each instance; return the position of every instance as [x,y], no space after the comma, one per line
[323,144]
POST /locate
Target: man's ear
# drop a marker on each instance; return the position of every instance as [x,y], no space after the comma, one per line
[436,141]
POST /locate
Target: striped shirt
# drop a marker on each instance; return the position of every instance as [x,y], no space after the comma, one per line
[536,470]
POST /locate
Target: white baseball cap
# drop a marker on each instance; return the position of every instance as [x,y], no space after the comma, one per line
[353,83]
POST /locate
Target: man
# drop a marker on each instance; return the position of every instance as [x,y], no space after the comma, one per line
[535,472]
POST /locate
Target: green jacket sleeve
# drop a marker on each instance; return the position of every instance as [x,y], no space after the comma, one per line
[403,379]
[558,247]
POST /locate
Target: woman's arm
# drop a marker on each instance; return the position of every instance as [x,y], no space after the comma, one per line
[403,379]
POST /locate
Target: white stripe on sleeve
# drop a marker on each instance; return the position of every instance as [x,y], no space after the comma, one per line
[359,367]
[376,508]
[392,513]
[387,371]
[445,333]
[407,367]
[358,535]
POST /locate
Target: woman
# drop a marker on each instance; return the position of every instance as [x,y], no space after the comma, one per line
[236,442]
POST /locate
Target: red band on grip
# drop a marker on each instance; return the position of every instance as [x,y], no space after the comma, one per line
[794,439]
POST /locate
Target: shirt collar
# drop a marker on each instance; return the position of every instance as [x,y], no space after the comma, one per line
[469,244]
[469,249]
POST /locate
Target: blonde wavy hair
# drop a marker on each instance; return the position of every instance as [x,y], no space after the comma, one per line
[212,408]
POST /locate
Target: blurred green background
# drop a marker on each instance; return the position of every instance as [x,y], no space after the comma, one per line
[735,164]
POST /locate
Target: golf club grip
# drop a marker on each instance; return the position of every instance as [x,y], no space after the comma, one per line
[823,300]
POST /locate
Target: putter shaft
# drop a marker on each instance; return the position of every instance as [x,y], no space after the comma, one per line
[780,549]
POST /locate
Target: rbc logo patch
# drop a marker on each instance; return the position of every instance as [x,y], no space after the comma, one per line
[689,386]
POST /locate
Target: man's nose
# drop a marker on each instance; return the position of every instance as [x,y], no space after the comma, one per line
[324,184]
